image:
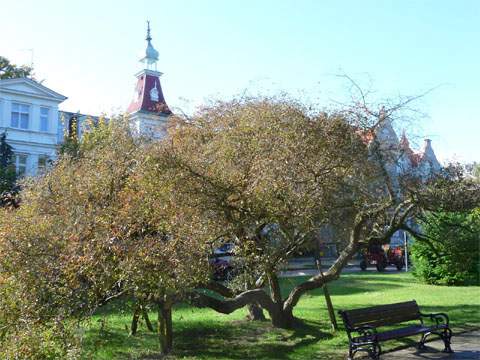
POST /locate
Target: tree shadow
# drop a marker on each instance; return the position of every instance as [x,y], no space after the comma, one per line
[245,339]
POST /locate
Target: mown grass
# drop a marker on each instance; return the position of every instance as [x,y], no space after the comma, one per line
[205,334]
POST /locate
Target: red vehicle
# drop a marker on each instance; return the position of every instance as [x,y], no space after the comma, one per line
[396,257]
[375,255]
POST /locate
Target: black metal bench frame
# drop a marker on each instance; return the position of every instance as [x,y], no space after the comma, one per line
[365,322]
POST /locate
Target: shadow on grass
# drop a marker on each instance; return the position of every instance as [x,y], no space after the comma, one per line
[244,340]
[116,342]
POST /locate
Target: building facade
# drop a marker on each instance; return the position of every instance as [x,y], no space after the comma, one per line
[29,116]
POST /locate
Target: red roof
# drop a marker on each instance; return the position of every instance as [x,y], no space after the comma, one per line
[143,100]
[414,157]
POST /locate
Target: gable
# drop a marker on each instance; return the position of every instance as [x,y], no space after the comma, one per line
[29,87]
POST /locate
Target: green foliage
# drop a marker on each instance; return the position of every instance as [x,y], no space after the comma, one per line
[449,251]
[246,163]
[23,337]
[10,71]
[71,143]
[97,226]
[7,167]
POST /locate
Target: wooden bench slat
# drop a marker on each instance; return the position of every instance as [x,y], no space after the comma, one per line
[383,314]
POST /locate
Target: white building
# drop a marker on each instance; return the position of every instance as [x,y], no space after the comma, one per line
[29,115]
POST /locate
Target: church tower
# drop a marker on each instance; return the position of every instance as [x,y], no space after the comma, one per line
[148,110]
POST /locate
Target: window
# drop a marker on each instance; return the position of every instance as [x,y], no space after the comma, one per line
[42,163]
[43,119]
[20,115]
[20,164]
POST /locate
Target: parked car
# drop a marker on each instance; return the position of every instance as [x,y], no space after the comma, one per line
[222,262]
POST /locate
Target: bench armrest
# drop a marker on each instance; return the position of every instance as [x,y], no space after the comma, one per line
[439,318]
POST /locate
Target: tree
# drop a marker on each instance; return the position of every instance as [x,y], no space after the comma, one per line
[7,166]
[268,173]
[93,229]
[447,250]
[11,71]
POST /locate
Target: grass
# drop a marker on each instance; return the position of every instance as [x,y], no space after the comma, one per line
[205,334]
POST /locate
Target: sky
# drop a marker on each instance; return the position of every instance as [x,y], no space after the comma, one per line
[88,51]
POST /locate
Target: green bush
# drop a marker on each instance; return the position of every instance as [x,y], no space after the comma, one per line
[41,342]
[447,253]
[23,334]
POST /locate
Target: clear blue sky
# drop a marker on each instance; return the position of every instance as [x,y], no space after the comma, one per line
[88,51]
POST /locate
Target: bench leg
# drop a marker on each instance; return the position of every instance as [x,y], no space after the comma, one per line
[350,353]
[421,344]
[375,351]
[446,337]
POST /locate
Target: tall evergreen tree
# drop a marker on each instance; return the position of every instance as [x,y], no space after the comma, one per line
[7,166]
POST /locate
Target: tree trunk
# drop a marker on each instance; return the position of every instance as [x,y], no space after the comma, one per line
[134,325]
[255,313]
[282,318]
[147,319]
[165,329]
[275,291]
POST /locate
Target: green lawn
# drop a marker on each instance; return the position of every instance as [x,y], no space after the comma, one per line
[205,334]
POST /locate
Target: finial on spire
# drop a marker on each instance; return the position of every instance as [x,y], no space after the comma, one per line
[150,56]
[148,38]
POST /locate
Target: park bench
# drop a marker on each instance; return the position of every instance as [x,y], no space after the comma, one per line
[362,326]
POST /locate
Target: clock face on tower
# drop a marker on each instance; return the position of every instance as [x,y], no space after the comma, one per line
[154,93]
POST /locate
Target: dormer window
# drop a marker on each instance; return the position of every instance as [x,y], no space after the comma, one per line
[20,116]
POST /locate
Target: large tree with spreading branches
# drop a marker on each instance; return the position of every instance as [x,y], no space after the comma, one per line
[268,174]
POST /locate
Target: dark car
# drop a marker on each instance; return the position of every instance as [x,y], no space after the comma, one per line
[221,262]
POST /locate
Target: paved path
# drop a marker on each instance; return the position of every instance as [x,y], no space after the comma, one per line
[348,269]
[466,347]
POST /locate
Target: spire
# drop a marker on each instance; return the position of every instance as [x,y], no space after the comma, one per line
[148,99]
[428,158]
[148,38]
[404,143]
[150,57]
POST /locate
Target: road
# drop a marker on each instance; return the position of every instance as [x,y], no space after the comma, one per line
[305,267]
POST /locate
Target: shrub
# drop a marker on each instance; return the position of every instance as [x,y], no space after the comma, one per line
[23,336]
[448,251]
